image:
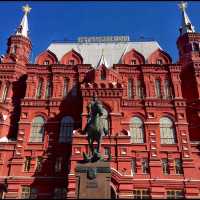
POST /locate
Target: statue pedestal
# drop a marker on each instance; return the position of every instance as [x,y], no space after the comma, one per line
[93,180]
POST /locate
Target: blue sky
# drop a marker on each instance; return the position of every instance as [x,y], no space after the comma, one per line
[56,20]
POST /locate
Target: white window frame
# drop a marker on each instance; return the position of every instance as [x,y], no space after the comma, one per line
[137,130]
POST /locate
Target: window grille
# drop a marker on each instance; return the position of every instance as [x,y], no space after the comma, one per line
[74,89]
[175,194]
[58,164]
[39,164]
[65,88]
[141,194]
[71,62]
[37,131]
[137,130]
[145,166]
[48,89]
[34,193]
[167,89]
[5,92]
[133,62]
[39,89]
[134,166]
[107,151]
[165,166]
[158,88]
[27,164]
[14,50]
[103,75]
[66,129]
[130,88]
[28,192]
[139,90]
[167,131]
[195,46]
[46,62]
[178,166]
[159,62]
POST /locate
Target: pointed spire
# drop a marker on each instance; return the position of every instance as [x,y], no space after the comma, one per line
[23,27]
[124,52]
[102,60]
[187,26]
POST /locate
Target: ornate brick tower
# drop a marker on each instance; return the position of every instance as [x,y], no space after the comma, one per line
[13,70]
[19,45]
[189,56]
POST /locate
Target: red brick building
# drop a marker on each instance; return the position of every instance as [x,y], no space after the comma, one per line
[152,108]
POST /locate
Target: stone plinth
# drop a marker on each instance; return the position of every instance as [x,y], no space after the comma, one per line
[93,180]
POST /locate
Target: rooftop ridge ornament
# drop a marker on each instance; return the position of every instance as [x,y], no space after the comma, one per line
[23,27]
[102,60]
[187,26]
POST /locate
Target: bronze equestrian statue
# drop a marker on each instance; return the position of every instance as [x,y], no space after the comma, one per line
[95,128]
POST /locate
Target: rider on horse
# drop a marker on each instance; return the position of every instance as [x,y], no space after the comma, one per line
[95,127]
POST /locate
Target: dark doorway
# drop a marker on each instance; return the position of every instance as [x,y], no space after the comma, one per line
[113,194]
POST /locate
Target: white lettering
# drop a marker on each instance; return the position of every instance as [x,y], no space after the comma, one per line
[103,39]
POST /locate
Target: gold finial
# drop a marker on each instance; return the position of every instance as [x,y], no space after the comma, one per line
[182,5]
[26,9]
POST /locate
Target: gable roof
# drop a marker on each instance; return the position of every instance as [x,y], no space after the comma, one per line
[113,51]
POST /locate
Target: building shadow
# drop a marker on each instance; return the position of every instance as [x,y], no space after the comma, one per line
[49,181]
[19,91]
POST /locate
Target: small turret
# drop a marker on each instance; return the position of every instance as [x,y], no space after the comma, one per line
[19,44]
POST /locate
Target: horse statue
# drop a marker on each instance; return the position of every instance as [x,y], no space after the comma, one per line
[96,127]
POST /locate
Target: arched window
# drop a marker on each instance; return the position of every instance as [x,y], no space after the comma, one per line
[167,89]
[14,50]
[158,88]
[159,61]
[5,92]
[195,46]
[133,62]
[46,62]
[130,88]
[39,89]
[139,90]
[37,131]
[66,129]
[74,89]
[48,89]
[65,88]
[103,74]
[167,131]
[137,130]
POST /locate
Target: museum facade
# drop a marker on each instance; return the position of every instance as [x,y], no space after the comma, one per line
[151,109]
